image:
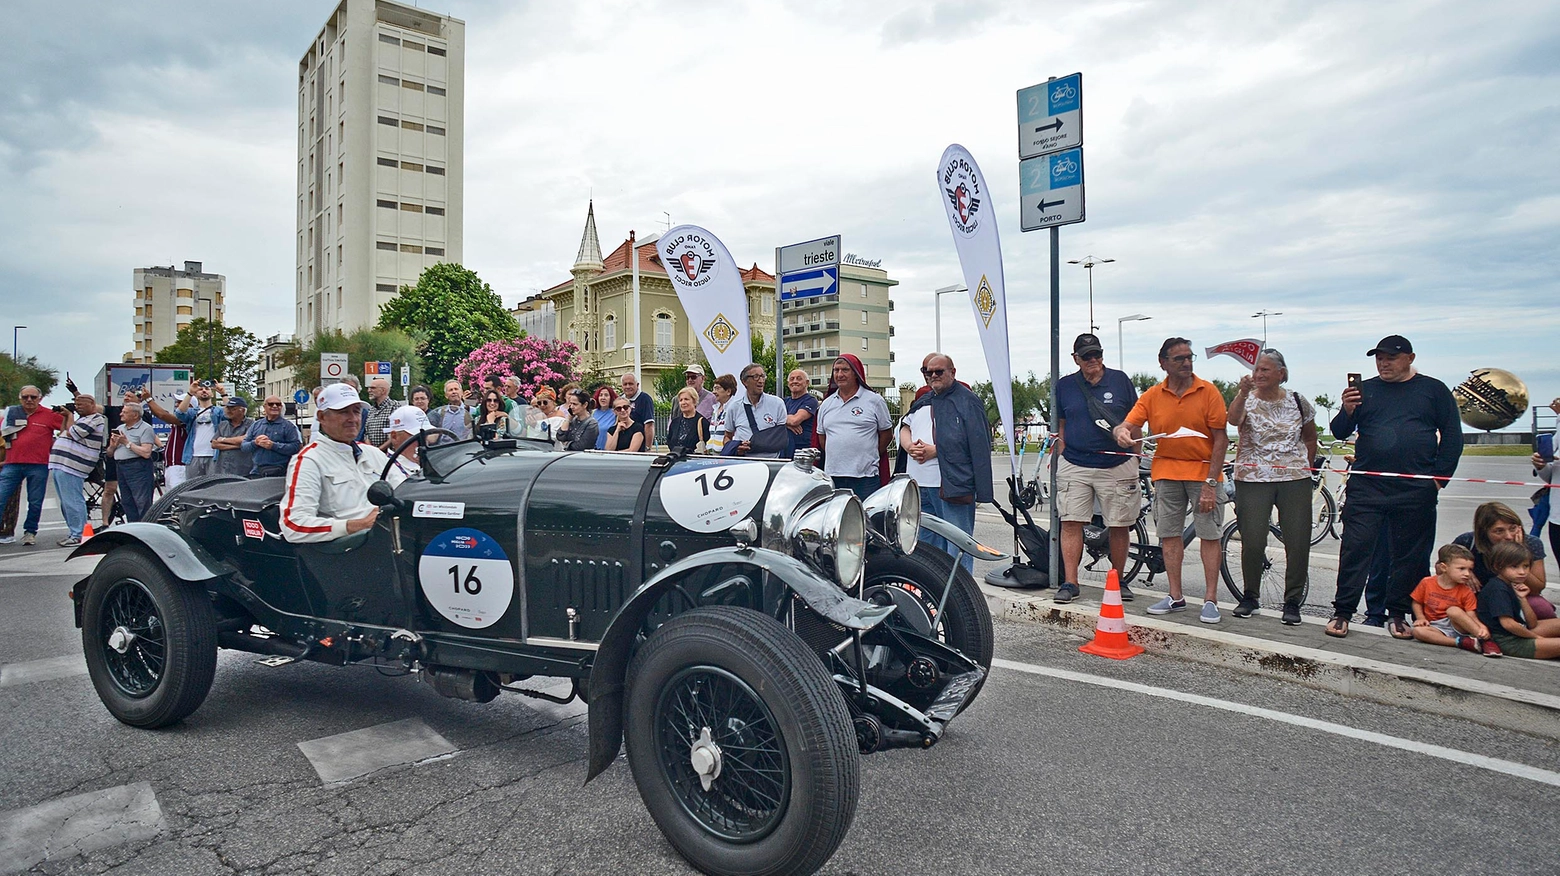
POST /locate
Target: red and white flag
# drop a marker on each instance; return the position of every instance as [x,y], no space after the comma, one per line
[1244,350]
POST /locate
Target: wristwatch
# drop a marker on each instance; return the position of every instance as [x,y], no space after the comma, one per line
[1212,482]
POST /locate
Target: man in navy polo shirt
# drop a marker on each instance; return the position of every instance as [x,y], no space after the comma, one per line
[1087,473]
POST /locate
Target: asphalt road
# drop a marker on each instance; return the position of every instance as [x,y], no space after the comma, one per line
[1042,774]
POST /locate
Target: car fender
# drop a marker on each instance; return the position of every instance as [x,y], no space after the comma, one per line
[607,678]
[186,559]
[960,539]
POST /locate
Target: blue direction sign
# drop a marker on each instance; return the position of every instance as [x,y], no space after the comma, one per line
[1050,190]
[1050,116]
[810,284]
[301,396]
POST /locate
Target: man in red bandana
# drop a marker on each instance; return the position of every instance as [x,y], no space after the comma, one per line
[854,429]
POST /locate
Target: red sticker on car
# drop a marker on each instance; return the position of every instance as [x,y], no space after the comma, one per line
[253,529]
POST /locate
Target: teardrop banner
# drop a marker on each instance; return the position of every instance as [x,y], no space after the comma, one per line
[1244,351]
[709,286]
[962,189]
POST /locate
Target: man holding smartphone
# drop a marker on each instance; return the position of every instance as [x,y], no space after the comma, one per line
[1407,423]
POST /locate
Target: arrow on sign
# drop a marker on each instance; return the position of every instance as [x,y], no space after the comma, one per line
[1046,205]
[1054,126]
[808,284]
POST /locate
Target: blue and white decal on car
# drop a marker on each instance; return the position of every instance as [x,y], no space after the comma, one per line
[466,576]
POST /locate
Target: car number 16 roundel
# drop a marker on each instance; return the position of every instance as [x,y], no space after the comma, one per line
[466,577]
[710,498]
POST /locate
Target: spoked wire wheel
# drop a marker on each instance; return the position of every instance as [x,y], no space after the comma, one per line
[135,641]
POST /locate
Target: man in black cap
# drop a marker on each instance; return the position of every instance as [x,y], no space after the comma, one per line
[1090,403]
[1408,424]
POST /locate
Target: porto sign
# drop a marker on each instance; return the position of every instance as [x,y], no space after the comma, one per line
[1051,190]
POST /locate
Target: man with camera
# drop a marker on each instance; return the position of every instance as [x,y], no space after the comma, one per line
[72,459]
[200,414]
[29,435]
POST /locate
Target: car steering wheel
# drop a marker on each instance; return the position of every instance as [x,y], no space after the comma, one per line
[421,440]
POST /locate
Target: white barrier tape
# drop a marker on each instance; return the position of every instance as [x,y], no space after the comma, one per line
[1357,471]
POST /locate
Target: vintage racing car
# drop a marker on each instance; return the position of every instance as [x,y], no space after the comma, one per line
[748,630]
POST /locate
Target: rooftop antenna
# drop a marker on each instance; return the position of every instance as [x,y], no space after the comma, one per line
[668,220]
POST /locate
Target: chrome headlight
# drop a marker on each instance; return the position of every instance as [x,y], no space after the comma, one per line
[894,513]
[831,537]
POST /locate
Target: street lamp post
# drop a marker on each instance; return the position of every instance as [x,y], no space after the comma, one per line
[1121,356]
[1264,314]
[937,308]
[14,330]
[1088,263]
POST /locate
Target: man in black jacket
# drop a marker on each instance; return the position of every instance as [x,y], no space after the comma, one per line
[1408,424]
[961,446]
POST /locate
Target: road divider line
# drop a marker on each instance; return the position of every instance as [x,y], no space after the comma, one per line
[1493,764]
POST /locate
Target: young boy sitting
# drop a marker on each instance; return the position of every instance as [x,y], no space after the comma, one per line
[1504,608]
[1444,605]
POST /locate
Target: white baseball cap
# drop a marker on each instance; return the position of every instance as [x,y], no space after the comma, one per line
[408,418]
[338,396]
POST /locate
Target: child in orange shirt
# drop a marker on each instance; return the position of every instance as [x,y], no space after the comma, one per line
[1444,605]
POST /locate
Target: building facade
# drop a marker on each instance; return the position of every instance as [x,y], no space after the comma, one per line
[168,299]
[595,308]
[273,377]
[538,317]
[381,116]
[855,319]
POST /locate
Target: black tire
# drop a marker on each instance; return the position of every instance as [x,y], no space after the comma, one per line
[790,772]
[161,510]
[1270,593]
[915,583]
[163,672]
[1324,510]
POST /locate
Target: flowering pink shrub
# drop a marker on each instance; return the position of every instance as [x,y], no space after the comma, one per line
[536,362]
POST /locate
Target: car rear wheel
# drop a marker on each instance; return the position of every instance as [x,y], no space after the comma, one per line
[150,640]
[741,744]
[915,582]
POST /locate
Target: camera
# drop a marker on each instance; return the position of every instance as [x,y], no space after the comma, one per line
[208,383]
[60,409]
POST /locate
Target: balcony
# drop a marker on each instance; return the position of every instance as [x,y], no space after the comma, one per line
[659,354]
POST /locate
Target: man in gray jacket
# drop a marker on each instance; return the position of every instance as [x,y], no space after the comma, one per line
[961,446]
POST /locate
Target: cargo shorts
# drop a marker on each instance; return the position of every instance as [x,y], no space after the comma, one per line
[1115,488]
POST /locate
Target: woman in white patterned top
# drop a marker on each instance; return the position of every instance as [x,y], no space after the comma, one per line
[1277,430]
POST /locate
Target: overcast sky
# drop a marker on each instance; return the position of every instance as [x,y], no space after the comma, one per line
[1365,168]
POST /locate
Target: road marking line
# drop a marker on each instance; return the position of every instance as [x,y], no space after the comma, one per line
[360,752]
[1493,764]
[47,669]
[71,826]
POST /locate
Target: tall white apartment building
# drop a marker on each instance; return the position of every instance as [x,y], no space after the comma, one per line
[168,299]
[381,116]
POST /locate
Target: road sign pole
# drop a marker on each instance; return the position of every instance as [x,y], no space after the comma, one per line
[779,332]
[1055,570]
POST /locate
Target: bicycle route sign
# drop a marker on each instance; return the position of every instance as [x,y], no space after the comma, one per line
[1050,152]
[1050,190]
[1050,116]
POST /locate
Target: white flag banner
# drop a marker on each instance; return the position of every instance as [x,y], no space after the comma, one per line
[1244,351]
[962,189]
[709,286]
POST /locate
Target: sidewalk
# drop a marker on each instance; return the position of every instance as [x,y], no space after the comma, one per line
[1510,693]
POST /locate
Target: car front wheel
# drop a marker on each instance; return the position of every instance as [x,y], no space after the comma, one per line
[150,640]
[741,744]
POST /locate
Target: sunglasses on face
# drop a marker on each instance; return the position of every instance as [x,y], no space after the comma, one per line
[620,407]
[1090,357]
[932,372]
[273,404]
[1182,360]
[31,397]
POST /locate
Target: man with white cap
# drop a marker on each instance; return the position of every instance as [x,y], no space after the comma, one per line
[328,480]
[405,421]
[693,375]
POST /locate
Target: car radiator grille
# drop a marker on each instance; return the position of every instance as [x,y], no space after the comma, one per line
[819,633]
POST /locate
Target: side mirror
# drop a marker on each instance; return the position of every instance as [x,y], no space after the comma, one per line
[383,495]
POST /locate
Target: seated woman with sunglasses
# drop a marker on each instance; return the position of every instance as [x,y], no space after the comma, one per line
[493,421]
[625,435]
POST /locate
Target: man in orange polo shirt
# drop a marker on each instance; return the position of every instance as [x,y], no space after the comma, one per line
[1186,471]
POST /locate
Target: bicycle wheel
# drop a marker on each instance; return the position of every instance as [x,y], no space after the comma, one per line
[1137,552]
[1270,587]
[1324,510]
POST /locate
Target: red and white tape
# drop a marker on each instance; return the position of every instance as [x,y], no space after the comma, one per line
[1357,471]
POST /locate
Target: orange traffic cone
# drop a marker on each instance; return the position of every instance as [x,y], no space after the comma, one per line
[1110,632]
[86,531]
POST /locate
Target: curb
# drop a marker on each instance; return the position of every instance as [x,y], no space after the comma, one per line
[1426,690]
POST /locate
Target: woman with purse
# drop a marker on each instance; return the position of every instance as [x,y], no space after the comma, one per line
[1277,442]
[687,431]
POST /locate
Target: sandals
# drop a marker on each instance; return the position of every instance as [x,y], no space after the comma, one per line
[1338,627]
[1399,628]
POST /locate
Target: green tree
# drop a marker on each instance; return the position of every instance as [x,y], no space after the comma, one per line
[1143,380]
[15,374]
[1031,399]
[363,345]
[1326,403]
[667,382]
[449,313]
[763,352]
[907,391]
[227,353]
[1226,388]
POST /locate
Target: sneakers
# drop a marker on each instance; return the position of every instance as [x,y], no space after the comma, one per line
[1126,593]
[1066,593]
[29,539]
[7,539]
[1246,607]
[70,541]
[1468,643]
[1291,616]
[1489,649]
[1167,605]
[1210,613]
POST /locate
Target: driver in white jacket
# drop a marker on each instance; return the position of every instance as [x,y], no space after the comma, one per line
[328,480]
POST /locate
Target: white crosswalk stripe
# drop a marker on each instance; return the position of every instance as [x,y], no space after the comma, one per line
[77,825]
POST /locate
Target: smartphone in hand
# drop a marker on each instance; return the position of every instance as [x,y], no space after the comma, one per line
[1354,381]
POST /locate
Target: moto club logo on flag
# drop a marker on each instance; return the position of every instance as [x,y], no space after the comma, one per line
[962,190]
[1244,351]
[709,286]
